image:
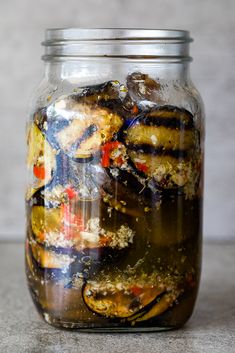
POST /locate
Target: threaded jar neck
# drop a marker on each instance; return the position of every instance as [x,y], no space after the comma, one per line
[131,44]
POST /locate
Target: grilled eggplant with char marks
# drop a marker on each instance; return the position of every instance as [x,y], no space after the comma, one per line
[90,126]
[131,298]
[162,143]
[50,122]
[112,95]
[125,185]
[95,115]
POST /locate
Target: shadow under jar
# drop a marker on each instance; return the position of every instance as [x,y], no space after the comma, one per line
[114,195]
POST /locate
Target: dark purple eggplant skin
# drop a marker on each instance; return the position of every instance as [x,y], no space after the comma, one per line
[109,90]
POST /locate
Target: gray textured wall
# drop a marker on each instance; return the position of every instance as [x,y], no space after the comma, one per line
[212,25]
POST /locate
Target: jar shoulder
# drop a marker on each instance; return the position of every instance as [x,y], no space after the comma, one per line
[182,94]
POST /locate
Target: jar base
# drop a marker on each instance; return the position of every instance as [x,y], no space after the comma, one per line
[81,328]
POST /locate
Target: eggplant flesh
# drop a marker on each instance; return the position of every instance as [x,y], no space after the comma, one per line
[166,126]
[160,137]
[75,139]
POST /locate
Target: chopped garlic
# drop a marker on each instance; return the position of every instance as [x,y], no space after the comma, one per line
[91,237]
[154,139]
[138,160]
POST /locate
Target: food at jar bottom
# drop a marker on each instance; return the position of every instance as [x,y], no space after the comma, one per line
[114,209]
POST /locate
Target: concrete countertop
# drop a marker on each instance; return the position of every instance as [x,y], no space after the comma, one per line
[211,328]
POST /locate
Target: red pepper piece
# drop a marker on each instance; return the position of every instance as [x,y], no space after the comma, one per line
[136,290]
[70,192]
[135,110]
[42,237]
[106,151]
[39,172]
[142,167]
[105,160]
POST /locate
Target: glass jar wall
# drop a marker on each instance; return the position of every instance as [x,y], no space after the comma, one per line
[114,195]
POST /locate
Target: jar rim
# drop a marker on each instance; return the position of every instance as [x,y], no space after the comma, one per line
[130,43]
[102,34]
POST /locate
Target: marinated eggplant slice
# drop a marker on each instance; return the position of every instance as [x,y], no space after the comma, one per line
[41,159]
[131,298]
[105,92]
[163,303]
[111,95]
[147,190]
[50,121]
[160,137]
[166,170]
[168,127]
[169,116]
[45,221]
[50,259]
[90,127]
[117,303]
[53,195]
[135,189]
[122,206]
[142,87]
[163,145]
[124,200]
[59,227]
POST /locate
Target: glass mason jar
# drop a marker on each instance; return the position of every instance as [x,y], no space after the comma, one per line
[114,195]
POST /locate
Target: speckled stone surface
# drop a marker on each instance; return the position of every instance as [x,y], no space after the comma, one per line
[210,330]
